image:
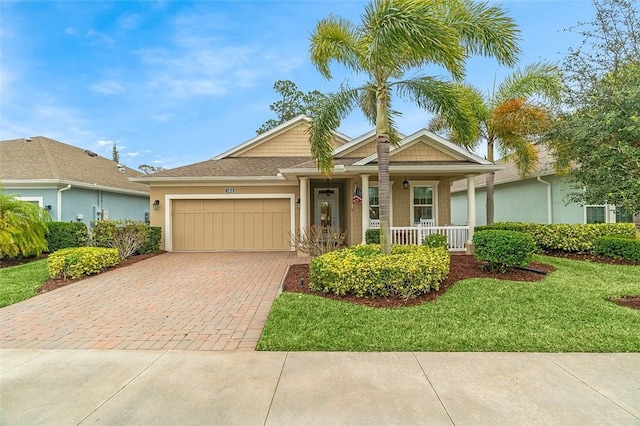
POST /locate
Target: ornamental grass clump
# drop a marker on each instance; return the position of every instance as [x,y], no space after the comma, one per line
[503,250]
[363,271]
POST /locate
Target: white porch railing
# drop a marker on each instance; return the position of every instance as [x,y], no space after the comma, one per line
[456,235]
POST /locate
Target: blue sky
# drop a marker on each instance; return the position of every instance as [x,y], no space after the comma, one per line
[174,83]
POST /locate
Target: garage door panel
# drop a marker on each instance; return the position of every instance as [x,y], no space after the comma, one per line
[231,224]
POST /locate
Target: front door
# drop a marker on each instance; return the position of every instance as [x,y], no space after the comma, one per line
[326,210]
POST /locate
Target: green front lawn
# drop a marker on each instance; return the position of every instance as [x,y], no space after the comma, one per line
[22,282]
[565,312]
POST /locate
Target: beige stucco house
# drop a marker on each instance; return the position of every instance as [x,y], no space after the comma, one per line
[255,195]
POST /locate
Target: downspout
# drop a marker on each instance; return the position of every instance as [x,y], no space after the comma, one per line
[60,202]
[549,205]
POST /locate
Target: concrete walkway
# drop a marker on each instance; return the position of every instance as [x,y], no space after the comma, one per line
[193,301]
[81,387]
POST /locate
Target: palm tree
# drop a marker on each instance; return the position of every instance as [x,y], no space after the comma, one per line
[394,38]
[22,227]
[509,119]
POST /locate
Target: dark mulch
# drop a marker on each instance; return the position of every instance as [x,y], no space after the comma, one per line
[628,301]
[462,267]
[53,283]
[9,262]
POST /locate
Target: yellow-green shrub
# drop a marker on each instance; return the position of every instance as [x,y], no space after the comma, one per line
[565,237]
[76,262]
[362,271]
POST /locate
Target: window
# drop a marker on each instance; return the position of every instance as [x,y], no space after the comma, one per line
[596,214]
[623,217]
[38,201]
[374,203]
[422,203]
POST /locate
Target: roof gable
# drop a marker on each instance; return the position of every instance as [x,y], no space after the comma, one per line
[289,139]
[424,145]
[44,159]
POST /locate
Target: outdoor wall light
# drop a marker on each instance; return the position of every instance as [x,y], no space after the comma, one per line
[156,204]
[298,203]
[405,184]
[48,207]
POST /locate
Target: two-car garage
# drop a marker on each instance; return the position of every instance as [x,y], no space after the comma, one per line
[237,222]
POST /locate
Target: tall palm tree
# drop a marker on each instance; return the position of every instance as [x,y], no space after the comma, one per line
[509,119]
[393,39]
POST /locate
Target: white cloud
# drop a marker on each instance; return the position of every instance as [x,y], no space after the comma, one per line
[131,154]
[129,21]
[108,87]
[100,38]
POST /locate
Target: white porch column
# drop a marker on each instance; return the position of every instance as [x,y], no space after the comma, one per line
[471,207]
[304,204]
[365,207]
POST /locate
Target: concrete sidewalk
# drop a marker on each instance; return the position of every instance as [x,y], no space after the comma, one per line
[78,387]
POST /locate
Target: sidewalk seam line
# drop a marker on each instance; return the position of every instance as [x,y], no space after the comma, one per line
[592,388]
[121,388]
[434,389]
[266,419]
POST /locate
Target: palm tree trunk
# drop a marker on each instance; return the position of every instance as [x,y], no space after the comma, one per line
[382,149]
[490,183]
[490,205]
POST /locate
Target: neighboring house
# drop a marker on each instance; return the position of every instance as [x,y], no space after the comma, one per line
[539,198]
[256,195]
[72,183]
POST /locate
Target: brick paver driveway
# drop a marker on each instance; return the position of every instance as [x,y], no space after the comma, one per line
[193,301]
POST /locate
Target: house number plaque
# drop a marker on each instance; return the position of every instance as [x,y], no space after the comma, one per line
[229,190]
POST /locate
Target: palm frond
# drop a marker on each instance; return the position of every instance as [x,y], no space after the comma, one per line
[522,152]
[368,102]
[539,79]
[455,103]
[405,34]
[329,115]
[334,39]
[485,30]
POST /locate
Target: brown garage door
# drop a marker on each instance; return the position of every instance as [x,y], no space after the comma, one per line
[238,224]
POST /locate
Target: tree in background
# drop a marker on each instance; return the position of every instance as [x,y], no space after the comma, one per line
[23,227]
[115,155]
[510,119]
[147,169]
[596,137]
[396,38]
[292,103]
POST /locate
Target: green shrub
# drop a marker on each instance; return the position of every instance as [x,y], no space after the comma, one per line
[125,235]
[503,249]
[435,240]
[617,247]
[372,236]
[363,271]
[66,234]
[76,262]
[152,243]
[565,237]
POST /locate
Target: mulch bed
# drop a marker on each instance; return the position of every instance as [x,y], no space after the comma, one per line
[462,267]
[54,283]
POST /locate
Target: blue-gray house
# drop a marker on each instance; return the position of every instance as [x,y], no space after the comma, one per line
[72,183]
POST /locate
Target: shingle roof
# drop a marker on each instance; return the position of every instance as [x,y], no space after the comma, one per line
[46,159]
[237,166]
[510,172]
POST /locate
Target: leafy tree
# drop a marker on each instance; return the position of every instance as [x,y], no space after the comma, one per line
[396,38]
[510,119]
[147,169]
[115,155]
[596,137]
[292,103]
[23,227]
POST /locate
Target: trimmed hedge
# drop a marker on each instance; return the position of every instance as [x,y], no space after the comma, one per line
[76,262]
[503,249]
[128,236]
[66,234]
[152,243]
[565,237]
[435,240]
[363,271]
[619,248]
[372,236]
